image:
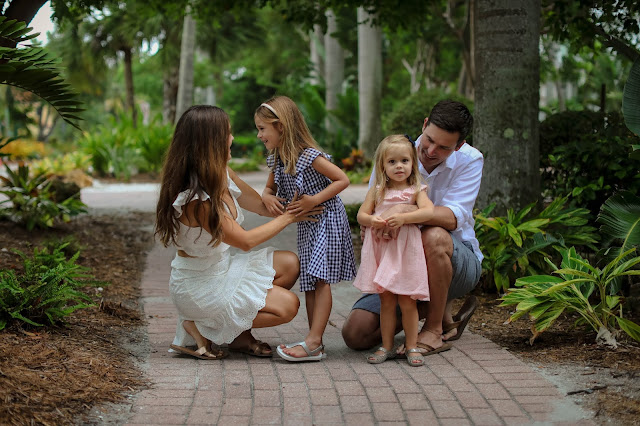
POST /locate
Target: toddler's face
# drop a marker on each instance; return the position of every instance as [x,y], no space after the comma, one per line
[268,133]
[397,162]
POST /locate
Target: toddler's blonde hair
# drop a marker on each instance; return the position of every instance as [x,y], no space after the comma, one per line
[381,180]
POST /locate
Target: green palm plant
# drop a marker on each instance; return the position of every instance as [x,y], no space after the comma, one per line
[577,286]
[544,297]
[30,68]
[519,243]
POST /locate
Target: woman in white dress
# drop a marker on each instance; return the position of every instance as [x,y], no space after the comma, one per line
[220,296]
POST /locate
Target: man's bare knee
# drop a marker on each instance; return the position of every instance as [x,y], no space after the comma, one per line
[360,329]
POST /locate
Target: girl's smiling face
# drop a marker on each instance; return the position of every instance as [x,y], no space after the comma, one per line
[268,133]
[398,164]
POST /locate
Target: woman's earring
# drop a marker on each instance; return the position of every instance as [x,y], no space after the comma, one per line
[386,178]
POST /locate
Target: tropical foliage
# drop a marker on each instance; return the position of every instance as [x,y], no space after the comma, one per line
[48,289]
[520,243]
[32,202]
[577,287]
[32,69]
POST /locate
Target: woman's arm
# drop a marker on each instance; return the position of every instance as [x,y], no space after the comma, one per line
[365,213]
[250,199]
[233,233]
[339,182]
[422,214]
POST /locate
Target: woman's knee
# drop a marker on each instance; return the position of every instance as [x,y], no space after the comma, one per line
[286,264]
[290,306]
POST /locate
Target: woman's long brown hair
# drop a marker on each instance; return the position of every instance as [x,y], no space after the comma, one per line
[196,162]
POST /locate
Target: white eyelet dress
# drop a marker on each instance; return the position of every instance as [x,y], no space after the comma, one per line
[221,292]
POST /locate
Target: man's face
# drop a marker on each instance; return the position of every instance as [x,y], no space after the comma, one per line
[436,145]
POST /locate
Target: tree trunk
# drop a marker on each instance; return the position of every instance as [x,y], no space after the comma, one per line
[128,82]
[369,83]
[316,46]
[334,68]
[507,98]
[169,95]
[187,54]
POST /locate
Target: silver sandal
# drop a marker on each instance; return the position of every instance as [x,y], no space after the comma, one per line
[380,358]
[415,360]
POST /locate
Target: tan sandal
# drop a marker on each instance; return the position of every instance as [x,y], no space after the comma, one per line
[201,353]
[380,358]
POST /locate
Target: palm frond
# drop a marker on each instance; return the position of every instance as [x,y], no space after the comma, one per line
[30,68]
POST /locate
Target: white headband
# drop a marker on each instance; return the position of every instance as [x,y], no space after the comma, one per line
[270,108]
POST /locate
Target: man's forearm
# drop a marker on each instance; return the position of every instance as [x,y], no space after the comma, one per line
[442,216]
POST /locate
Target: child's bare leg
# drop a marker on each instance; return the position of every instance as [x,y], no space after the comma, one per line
[319,317]
[310,303]
[388,302]
[409,320]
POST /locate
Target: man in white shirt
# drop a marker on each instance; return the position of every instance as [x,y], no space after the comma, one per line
[452,170]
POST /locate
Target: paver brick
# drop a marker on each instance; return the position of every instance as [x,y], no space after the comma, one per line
[473,399]
[355,404]
[381,394]
[421,417]
[483,416]
[388,411]
[414,401]
[266,416]
[236,407]
[266,398]
[448,409]
[204,415]
[506,408]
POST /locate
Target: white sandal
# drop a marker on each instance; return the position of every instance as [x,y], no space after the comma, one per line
[314,355]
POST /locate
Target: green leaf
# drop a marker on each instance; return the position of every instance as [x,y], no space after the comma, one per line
[515,236]
[631,99]
[629,327]
[533,226]
[620,218]
[546,319]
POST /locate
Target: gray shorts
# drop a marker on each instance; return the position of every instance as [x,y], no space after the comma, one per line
[466,275]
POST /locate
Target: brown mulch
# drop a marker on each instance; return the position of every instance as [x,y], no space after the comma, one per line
[55,375]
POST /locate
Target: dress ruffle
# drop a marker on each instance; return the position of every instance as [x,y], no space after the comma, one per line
[221,311]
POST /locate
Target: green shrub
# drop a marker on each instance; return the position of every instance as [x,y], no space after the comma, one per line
[586,154]
[352,215]
[34,202]
[517,245]
[46,291]
[153,141]
[573,287]
[249,165]
[409,114]
[244,146]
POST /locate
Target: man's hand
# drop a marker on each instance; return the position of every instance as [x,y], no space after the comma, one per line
[398,208]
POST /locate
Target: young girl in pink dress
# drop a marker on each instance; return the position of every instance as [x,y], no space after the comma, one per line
[395,267]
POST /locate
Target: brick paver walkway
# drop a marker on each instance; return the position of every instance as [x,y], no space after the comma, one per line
[476,382]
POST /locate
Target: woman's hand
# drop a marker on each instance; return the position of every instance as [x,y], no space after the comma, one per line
[273,204]
[306,216]
[302,204]
[396,220]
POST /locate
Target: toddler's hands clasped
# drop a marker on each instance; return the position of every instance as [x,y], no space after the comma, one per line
[377,222]
[395,220]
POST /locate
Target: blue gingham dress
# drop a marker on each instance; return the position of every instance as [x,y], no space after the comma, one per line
[325,248]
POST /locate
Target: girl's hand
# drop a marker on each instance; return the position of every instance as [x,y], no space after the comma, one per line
[302,205]
[273,204]
[377,222]
[395,221]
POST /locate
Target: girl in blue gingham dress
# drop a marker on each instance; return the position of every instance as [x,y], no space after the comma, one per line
[301,178]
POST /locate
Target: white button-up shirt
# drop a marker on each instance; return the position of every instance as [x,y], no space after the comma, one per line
[455,184]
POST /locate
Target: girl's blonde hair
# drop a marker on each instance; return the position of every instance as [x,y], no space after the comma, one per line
[295,133]
[381,180]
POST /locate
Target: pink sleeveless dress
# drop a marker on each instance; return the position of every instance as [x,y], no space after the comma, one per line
[399,265]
